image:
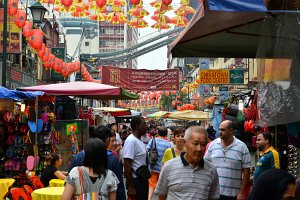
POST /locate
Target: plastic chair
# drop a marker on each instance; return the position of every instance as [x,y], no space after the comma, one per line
[16,193]
[36,182]
[28,190]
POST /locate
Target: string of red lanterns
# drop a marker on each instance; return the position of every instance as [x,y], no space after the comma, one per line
[35,40]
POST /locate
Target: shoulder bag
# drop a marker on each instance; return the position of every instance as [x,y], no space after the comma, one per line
[173,152]
[85,195]
[153,153]
[143,171]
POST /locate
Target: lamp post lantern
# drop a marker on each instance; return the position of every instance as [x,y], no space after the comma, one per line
[189,80]
[38,12]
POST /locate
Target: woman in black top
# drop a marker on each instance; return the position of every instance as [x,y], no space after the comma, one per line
[51,171]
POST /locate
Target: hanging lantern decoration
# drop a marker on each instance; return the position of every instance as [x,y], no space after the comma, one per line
[27,29]
[51,60]
[117,16]
[160,6]
[100,17]
[138,11]
[37,39]
[180,21]
[12,7]
[46,54]
[20,18]
[184,10]
[42,51]
[173,103]
[161,21]
[67,3]
[101,3]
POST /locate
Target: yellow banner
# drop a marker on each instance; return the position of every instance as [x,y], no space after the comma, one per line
[214,76]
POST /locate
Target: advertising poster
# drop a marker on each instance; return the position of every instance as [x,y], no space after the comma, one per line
[204,89]
[223,93]
[13,35]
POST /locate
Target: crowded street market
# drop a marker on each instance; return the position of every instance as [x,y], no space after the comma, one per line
[82,117]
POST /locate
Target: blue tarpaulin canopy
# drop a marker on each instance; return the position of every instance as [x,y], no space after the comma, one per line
[237,5]
[17,95]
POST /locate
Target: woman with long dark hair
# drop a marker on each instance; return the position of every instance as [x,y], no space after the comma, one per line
[51,171]
[94,177]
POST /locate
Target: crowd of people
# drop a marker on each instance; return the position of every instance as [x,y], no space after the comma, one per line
[183,163]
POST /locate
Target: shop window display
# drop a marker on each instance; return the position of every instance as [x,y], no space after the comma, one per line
[17,129]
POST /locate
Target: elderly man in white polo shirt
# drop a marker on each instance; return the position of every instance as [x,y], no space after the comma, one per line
[231,157]
[188,176]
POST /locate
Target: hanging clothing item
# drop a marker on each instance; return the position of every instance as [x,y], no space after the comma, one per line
[216,118]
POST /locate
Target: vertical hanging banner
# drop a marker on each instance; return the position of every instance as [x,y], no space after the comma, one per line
[13,35]
[59,52]
[142,79]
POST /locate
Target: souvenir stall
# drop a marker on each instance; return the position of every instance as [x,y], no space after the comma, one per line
[16,134]
[73,133]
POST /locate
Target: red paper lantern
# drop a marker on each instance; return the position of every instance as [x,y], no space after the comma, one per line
[12,7]
[167,2]
[67,3]
[173,103]
[135,2]
[42,51]
[52,60]
[101,3]
[27,29]
[46,55]
[37,39]
[20,18]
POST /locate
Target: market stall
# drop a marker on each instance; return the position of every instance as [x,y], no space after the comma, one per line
[72,141]
[15,132]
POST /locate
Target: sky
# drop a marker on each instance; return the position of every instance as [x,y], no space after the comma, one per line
[156,59]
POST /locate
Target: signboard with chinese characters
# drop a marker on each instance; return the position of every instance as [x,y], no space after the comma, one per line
[222,76]
[142,79]
[13,35]
[60,53]
[17,78]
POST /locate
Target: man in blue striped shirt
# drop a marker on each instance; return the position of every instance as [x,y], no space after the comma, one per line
[231,157]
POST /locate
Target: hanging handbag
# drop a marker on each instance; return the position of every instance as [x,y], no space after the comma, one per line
[153,154]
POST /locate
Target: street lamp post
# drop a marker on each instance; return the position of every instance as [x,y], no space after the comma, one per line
[38,12]
[189,80]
